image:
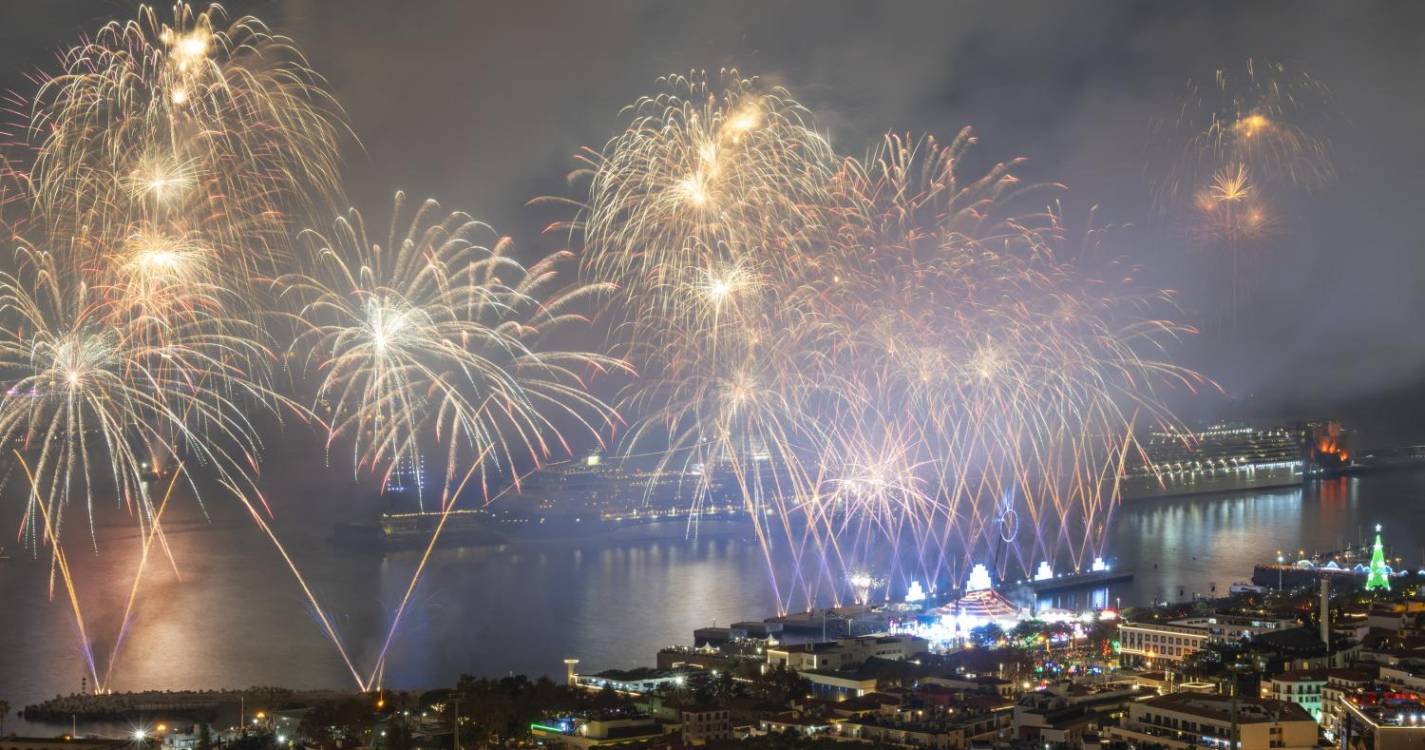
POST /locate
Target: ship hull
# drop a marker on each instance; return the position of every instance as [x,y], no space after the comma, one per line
[1208,484]
[487,530]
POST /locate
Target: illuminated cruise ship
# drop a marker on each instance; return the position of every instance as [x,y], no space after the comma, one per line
[573,499]
[1232,457]
[599,485]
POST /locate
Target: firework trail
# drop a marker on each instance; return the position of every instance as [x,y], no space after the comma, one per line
[436,335]
[94,398]
[62,564]
[154,532]
[185,128]
[1261,115]
[709,177]
[886,356]
[438,338]
[1236,145]
[170,161]
[166,163]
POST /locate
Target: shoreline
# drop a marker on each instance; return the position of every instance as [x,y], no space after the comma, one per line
[198,705]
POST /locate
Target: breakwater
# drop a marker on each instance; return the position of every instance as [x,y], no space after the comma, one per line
[197,705]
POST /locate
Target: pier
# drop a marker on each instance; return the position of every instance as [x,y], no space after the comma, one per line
[1078,580]
[188,704]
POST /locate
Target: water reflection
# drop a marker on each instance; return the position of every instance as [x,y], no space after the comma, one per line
[238,619]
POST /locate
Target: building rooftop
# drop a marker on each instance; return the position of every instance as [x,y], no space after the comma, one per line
[1390,709]
[789,718]
[636,674]
[1349,674]
[1301,675]
[616,714]
[86,742]
[1360,672]
[1219,707]
[806,648]
[1298,641]
[643,729]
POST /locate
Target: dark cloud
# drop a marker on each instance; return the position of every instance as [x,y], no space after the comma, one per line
[482,104]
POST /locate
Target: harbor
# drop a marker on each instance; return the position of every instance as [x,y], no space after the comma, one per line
[603,601]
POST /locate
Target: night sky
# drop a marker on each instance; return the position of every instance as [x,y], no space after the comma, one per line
[481,105]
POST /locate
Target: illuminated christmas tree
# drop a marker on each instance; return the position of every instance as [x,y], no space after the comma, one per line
[1378,578]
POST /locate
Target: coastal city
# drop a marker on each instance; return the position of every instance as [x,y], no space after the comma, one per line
[729,374]
[1331,656]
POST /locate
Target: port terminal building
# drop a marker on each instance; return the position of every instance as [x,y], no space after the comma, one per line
[1149,642]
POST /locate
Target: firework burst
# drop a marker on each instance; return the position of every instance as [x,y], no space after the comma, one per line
[433,336]
[707,176]
[1261,115]
[904,362]
[93,401]
[189,124]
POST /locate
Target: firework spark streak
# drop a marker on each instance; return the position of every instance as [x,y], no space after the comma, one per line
[434,337]
[1261,115]
[154,532]
[892,363]
[379,668]
[168,161]
[172,159]
[1235,146]
[192,126]
[887,358]
[63,565]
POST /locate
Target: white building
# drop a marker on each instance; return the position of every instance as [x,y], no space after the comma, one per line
[1187,720]
[1305,688]
[834,685]
[1148,642]
[632,681]
[846,653]
[1407,674]
[603,731]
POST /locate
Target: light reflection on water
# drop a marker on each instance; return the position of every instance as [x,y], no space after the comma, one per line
[237,618]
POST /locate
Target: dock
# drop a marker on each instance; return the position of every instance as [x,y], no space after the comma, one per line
[1078,581]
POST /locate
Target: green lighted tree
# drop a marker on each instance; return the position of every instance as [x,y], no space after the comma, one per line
[1378,580]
